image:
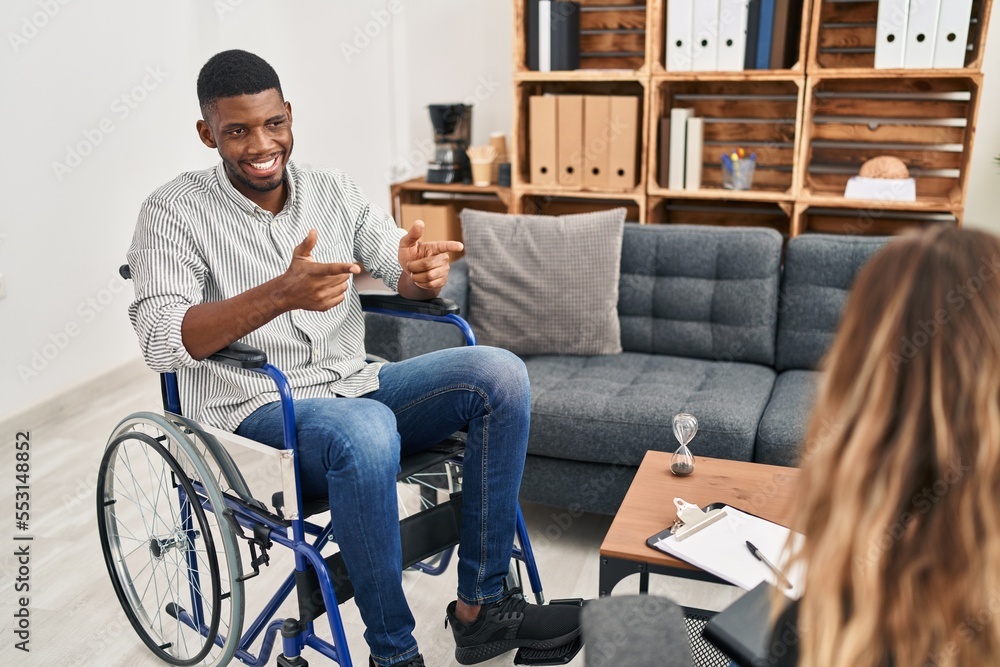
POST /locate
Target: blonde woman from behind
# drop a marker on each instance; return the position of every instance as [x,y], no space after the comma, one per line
[900,503]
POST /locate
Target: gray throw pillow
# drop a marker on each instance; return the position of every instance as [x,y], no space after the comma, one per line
[543,284]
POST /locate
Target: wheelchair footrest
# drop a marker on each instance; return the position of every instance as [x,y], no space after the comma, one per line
[560,655]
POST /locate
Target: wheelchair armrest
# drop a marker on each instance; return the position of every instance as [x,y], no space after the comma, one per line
[240,355]
[401,304]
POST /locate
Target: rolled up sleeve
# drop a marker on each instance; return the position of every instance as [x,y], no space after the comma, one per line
[168,273]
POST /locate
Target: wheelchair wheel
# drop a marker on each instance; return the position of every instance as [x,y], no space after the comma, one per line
[173,560]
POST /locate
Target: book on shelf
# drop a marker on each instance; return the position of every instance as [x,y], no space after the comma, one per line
[553,35]
[693,151]
[676,147]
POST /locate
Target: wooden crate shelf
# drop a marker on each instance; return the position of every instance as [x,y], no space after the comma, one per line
[864,221]
[845,35]
[761,115]
[419,191]
[812,125]
[656,43]
[665,210]
[612,35]
[926,122]
[523,91]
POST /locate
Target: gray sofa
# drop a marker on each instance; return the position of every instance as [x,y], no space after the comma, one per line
[710,325]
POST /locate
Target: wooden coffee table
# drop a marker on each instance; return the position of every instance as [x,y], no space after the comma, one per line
[648,508]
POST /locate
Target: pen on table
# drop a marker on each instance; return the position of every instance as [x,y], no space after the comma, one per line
[771,566]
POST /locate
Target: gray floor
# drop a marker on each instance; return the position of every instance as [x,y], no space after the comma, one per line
[75,617]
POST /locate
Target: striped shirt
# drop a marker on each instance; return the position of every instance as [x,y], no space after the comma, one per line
[198,239]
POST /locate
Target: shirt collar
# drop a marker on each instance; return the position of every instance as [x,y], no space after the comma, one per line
[241,200]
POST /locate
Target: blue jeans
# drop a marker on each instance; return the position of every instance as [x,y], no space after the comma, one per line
[349,448]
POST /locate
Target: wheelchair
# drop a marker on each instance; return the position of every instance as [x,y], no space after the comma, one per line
[174,507]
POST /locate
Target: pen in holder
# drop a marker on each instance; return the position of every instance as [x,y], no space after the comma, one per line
[691,518]
[738,169]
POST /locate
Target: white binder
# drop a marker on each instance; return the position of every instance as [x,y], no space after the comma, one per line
[705,33]
[678,141]
[693,153]
[544,35]
[921,31]
[680,18]
[732,34]
[953,34]
[890,33]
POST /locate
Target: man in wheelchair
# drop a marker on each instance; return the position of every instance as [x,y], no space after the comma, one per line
[262,250]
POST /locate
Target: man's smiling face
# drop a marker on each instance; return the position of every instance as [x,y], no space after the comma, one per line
[253,134]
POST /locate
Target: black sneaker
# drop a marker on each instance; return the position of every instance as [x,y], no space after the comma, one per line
[511,623]
[417,661]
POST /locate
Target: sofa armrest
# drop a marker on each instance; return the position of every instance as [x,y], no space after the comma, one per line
[397,338]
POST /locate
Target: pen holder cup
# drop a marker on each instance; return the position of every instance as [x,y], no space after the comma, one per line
[738,175]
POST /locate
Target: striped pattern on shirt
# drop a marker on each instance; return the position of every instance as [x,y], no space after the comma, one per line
[198,239]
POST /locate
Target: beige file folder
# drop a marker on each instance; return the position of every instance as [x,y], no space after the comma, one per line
[596,139]
[542,139]
[569,109]
[624,136]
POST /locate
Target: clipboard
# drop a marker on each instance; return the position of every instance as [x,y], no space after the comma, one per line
[720,548]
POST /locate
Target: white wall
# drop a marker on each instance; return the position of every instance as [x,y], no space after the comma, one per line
[982,204]
[359,75]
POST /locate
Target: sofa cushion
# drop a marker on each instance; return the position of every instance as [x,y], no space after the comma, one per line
[612,409]
[782,429]
[541,284]
[707,292]
[819,272]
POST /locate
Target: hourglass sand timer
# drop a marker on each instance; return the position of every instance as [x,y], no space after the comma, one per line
[682,462]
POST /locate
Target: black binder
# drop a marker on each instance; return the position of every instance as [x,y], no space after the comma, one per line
[564,35]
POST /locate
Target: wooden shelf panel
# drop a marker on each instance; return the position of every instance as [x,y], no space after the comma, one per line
[845,35]
[925,204]
[555,191]
[719,194]
[421,184]
[928,123]
[760,115]
[578,75]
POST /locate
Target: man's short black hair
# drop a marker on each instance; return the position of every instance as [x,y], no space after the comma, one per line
[233,73]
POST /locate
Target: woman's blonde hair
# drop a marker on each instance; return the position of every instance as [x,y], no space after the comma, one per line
[900,503]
